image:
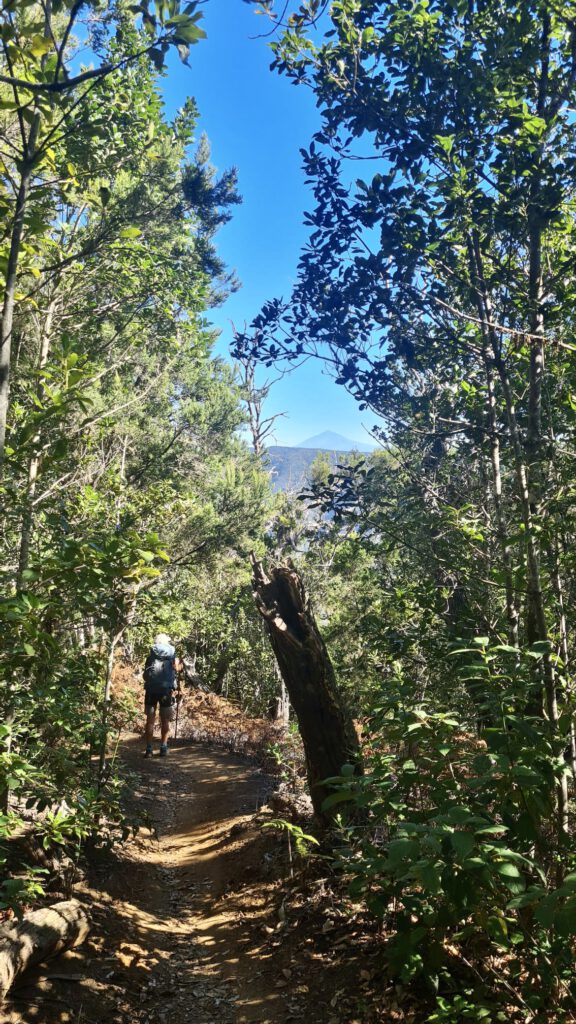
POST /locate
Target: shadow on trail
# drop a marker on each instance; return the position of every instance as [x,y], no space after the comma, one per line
[167,940]
[186,926]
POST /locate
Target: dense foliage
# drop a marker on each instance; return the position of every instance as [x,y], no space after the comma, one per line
[440,284]
[129,503]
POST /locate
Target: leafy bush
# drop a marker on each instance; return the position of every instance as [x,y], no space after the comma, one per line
[459,852]
[16,893]
[303,842]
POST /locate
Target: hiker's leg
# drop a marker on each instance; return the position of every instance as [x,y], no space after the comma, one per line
[149,728]
[166,718]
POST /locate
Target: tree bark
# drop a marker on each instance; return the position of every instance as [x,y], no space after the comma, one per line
[512,616]
[326,727]
[34,463]
[39,936]
[7,317]
[527,460]
[282,703]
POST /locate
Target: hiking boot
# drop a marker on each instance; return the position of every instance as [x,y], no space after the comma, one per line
[163,750]
[148,751]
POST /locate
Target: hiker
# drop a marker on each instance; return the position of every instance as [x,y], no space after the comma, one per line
[161,687]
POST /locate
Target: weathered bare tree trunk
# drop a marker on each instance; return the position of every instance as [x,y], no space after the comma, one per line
[326,727]
[27,161]
[254,397]
[39,936]
[7,315]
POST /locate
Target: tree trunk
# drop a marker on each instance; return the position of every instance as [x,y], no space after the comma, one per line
[9,722]
[102,772]
[528,476]
[7,316]
[501,529]
[39,936]
[282,715]
[34,463]
[326,727]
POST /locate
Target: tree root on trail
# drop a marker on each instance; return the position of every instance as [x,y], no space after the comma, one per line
[40,935]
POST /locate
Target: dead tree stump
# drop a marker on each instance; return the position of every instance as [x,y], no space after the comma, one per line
[326,726]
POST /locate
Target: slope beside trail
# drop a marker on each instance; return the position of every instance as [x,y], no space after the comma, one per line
[180,926]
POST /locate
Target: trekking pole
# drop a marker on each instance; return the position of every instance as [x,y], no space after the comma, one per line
[177,710]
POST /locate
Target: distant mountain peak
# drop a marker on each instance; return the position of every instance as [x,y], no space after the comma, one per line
[329,441]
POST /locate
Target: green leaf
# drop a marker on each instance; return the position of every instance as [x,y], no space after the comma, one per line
[458,815]
[497,927]
[430,875]
[40,46]
[157,57]
[463,843]
[340,797]
[527,899]
[507,870]
[147,556]
[546,912]
[401,849]
[189,34]
[474,864]
[446,142]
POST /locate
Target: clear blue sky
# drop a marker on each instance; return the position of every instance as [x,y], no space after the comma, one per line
[257,121]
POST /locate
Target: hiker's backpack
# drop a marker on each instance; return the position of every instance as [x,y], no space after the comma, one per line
[159,674]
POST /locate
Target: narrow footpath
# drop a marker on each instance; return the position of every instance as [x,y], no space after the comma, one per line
[196,919]
[178,917]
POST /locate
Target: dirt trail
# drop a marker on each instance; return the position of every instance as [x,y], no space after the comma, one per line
[179,920]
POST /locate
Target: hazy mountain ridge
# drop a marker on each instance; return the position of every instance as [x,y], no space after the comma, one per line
[329,441]
[290,467]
